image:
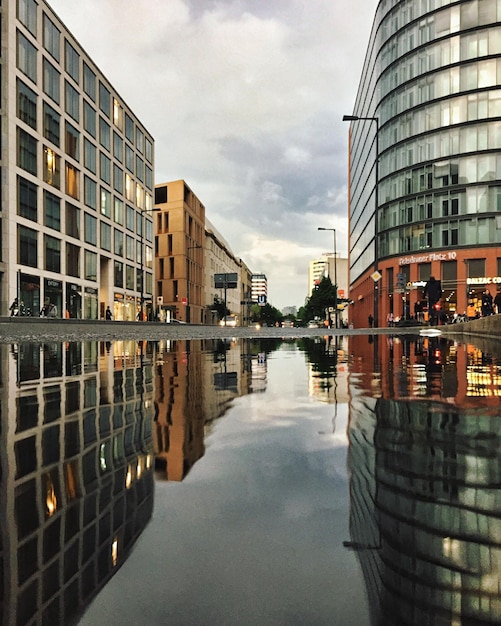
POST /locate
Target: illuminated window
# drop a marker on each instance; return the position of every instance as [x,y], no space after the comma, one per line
[129,187]
[72,186]
[52,168]
[118,114]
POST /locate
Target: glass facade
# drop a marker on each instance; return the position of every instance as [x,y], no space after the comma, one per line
[71,135]
[431,83]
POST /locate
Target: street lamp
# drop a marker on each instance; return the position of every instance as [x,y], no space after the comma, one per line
[143,211]
[335,274]
[376,276]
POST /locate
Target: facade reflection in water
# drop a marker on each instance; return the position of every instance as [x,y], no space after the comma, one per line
[425,443]
[76,453]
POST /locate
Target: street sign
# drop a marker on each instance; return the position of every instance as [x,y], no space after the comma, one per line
[376,276]
[226,281]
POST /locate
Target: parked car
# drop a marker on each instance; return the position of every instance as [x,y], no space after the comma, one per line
[229,320]
[313,324]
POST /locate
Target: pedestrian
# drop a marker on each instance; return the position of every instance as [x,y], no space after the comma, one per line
[371,320]
[108,313]
[390,320]
[486,306]
[497,302]
[14,308]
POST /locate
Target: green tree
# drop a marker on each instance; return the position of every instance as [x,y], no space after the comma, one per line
[266,315]
[323,296]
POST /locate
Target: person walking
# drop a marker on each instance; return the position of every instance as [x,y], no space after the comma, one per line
[108,313]
[497,302]
[14,308]
[486,307]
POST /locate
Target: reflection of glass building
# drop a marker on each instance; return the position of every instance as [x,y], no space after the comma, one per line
[430,84]
[425,486]
[77,176]
[76,482]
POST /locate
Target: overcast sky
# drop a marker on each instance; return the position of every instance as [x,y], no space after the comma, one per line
[244,100]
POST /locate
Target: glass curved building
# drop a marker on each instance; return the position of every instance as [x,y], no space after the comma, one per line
[425,160]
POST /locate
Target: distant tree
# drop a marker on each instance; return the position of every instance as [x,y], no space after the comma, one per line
[266,314]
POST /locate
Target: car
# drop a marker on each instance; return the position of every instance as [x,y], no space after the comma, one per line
[228,320]
[287,324]
[313,324]
[175,321]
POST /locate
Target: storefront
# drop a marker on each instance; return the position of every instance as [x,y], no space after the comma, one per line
[53,297]
[90,303]
[118,306]
[73,301]
[29,293]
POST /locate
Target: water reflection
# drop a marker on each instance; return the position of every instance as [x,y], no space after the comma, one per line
[86,427]
[425,439]
[76,453]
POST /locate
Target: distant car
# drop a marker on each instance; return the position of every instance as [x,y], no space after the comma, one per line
[174,321]
[313,324]
[287,324]
[229,320]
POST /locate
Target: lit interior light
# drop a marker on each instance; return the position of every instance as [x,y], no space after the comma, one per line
[114,551]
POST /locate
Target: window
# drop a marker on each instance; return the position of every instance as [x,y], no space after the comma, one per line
[129,128]
[139,140]
[26,151]
[90,271]
[72,142]
[118,242]
[118,179]
[72,221]
[90,156]
[26,104]
[118,115]
[90,192]
[51,37]
[118,213]
[161,195]
[72,260]
[105,236]
[72,186]
[140,169]
[105,168]
[129,187]
[51,167]
[129,277]
[118,147]
[72,62]
[119,274]
[148,150]
[104,100]
[89,82]
[129,158]
[51,81]
[129,247]
[89,119]
[26,57]
[105,202]
[27,14]
[27,203]
[51,120]
[72,100]
[90,229]
[104,134]
[129,218]
[148,177]
[52,254]
[52,210]
[27,246]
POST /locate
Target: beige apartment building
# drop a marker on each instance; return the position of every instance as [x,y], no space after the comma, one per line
[76,175]
[179,253]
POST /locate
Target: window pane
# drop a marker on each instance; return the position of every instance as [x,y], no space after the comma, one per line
[27,199]
[26,104]
[51,124]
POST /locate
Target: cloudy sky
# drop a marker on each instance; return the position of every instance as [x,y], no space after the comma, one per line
[244,99]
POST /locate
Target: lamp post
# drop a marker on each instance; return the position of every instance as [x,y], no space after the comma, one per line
[188,297]
[335,274]
[143,211]
[375,276]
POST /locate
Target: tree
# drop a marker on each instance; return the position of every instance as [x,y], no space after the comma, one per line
[266,315]
[323,296]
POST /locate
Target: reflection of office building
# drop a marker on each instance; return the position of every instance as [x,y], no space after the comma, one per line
[430,83]
[424,476]
[76,479]
[77,174]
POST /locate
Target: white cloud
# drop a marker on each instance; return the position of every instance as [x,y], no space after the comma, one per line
[244,100]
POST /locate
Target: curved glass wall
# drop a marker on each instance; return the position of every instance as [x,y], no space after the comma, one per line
[431,79]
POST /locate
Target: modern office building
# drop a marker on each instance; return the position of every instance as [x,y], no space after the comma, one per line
[76,176]
[179,252]
[425,158]
[336,268]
